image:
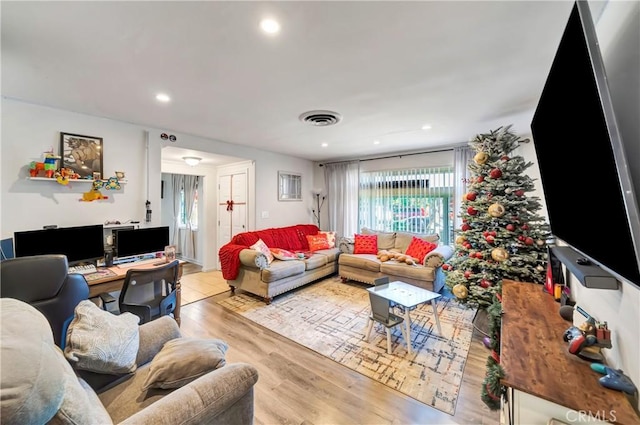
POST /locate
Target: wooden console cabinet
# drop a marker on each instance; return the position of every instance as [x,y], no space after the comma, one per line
[543,379]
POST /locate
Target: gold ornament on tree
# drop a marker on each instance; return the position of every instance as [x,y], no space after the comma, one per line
[496,210]
[460,240]
[481,158]
[499,254]
[460,291]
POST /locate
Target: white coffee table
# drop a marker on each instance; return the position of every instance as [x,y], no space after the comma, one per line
[408,296]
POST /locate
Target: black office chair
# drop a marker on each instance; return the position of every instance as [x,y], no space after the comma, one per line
[44,282]
[150,293]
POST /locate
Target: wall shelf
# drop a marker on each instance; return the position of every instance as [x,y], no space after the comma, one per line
[123,181]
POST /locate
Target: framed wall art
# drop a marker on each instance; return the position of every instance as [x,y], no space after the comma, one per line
[83,154]
[289,186]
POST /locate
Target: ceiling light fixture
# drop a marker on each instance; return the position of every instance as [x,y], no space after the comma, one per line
[192,160]
[161,97]
[270,26]
[376,142]
[426,127]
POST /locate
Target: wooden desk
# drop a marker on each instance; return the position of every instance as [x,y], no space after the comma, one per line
[540,371]
[114,282]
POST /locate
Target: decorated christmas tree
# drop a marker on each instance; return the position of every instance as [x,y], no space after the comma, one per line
[501,237]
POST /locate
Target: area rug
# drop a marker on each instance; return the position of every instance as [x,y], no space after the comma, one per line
[331,317]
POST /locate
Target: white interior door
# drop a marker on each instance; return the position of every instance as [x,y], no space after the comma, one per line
[232,206]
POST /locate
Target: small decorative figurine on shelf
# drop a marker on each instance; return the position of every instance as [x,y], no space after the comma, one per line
[112,184]
[120,175]
[94,194]
[48,165]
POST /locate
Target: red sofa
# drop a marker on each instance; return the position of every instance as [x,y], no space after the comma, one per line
[249,270]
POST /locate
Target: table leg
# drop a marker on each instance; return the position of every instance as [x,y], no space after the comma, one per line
[435,313]
[407,323]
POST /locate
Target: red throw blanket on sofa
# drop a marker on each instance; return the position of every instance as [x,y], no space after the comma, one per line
[292,238]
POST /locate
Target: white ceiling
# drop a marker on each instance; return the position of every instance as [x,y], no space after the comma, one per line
[389,67]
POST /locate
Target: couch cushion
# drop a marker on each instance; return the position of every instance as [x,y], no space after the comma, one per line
[403,239]
[30,387]
[315,261]
[401,270]
[281,269]
[38,384]
[183,360]
[102,342]
[386,240]
[361,261]
[331,254]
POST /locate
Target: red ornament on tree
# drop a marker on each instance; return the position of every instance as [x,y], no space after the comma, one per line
[467,274]
[496,173]
[510,227]
[480,179]
[471,196]
[472,211]
[465,227]
[519,192]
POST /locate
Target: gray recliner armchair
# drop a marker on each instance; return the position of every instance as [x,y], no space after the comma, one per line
[44,282]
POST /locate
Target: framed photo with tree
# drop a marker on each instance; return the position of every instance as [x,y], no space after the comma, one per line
[82,154]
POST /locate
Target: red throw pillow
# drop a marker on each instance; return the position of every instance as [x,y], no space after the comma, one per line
[419,248]
[365,244]
[317,242]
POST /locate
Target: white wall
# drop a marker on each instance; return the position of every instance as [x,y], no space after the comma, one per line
[28,130]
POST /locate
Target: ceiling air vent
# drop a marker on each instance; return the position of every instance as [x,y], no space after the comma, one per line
[321,118]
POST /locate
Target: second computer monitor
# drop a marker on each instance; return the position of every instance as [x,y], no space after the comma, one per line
[141,241]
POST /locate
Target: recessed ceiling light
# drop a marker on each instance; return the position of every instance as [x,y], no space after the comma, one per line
[161,97]
[270,26]
[324,145]
[426,127]
[376,142]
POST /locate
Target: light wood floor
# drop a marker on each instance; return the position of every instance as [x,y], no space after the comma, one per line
[196,285]
[299,386]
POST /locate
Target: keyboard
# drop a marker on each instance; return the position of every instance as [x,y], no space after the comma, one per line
[86,269]
[140,263]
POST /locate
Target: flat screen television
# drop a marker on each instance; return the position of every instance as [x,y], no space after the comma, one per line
[588,186]
[143,241]
[80,243]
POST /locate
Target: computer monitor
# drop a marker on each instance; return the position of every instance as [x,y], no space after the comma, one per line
[80,244]
[6,249]
[141,241]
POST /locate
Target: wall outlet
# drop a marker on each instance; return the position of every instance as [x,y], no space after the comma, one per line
[265,214]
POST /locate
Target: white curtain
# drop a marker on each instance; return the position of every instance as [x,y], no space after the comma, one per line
[462,155]
[190,191]
[176,189]
[341,180]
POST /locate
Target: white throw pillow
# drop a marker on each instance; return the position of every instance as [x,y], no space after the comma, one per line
[102,342]
[262,247]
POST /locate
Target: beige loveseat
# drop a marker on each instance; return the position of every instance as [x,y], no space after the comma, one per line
[38,384]
[367,267]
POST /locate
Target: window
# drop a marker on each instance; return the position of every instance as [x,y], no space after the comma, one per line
[411,200]
[183,212]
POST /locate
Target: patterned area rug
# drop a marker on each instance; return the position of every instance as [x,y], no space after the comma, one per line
[330,317]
